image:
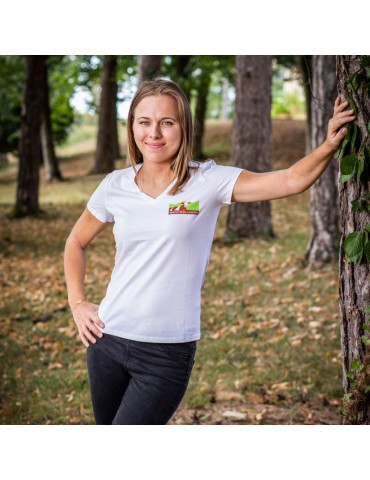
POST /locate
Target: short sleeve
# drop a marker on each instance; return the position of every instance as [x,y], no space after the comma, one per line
[223,179]
[97,203]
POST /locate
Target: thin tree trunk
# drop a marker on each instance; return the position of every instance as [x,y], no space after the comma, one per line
[200,115]
[251,148]
[225,100]
[324,202]
[149,66]
[52,171]
[107,136]
[354,278]
[27,202]
[4,159]
[305,66]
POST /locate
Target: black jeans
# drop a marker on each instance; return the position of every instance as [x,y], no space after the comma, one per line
[137,383]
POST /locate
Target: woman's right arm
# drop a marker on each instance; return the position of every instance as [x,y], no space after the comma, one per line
[85,314]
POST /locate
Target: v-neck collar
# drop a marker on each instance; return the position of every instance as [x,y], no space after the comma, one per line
[144,195]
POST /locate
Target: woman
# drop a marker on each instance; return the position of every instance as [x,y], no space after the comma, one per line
[142,338]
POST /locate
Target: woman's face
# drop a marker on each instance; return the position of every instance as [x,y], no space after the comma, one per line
[157,129]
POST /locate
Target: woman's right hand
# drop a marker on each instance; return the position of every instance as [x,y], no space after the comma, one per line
[86,318]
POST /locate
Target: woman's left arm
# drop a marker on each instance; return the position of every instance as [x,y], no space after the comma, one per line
[253,187]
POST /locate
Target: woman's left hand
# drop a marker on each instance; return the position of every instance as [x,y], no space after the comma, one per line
[336,130]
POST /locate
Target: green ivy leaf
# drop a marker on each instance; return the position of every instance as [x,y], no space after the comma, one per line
[354,136]
[356,366]
[347,165]
[368,127]
[367,388]
[352,105]
[367,250]
[341,412]
[365,340]
[365,62]
[345,178]
[367,227]
[366,327]
[354,245]
[360,169]
[351,375]
[367,309]
[357,206]
[347,396]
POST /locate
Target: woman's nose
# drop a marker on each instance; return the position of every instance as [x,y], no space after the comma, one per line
[155,130]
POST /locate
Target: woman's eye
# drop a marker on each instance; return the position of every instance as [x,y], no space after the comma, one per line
[144,123]
[167,123]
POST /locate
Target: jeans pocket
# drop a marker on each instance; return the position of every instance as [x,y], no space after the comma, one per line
[183,351]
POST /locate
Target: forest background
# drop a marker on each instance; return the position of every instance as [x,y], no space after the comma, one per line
[270,351]
[225,457]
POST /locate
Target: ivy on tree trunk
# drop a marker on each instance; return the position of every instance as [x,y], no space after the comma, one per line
[353,72]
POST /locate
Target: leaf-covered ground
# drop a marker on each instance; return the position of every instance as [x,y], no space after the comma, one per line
[270,348]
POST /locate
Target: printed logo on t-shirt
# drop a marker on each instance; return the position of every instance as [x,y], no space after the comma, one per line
[188,208]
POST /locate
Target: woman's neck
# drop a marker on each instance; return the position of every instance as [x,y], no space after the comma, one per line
[156,173]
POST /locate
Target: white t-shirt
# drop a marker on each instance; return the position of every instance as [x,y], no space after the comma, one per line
[162,252]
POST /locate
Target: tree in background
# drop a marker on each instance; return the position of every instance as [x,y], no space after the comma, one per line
[324,203]
[251,148]
[12,70]
[304,64]
[149,66]
[206,67]
[52,171]
[27,202]
[107,131]
[353,72]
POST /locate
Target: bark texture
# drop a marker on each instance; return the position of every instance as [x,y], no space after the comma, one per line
[149,66]
[324,202]
[27,202]
[106,149]
[354,279]
[251,147]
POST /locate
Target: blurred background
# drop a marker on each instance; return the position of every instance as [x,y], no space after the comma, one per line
[270,347]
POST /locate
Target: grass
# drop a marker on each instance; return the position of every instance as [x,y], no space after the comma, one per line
[270,328]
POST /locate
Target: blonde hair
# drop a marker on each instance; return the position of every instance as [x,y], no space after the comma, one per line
[180,163]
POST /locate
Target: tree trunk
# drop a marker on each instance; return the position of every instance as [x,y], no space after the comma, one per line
[305,67]
[182,67]
[251,148]
[354,284]
[50,161]
[149,66]
[107,135]
[225,100]
[4,159]
[324,202]
[27,202]
[200,115]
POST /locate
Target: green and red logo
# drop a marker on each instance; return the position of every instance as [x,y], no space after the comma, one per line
[187,208]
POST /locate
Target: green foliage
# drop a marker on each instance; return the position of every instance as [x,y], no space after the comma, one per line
[12,70]
[61,88]
[354,246]
[356,366]
[355,165]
